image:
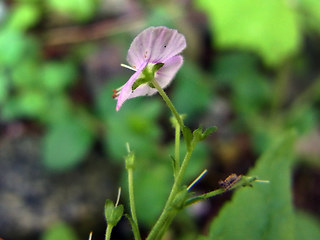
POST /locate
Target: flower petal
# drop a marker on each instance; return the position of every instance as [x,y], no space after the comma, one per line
[165,74]
[155,44]
[126,90]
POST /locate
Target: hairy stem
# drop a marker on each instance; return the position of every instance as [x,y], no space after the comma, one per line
[135,229]
[108,232]
[177,150]
[157,228]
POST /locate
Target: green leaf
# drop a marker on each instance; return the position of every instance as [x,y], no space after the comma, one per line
[66,143]
[192,94]
[303,118]
[307,226]
[25,75]
[209,131]
[60,109]
[23,16]
[80,10]
[135,123]
[200,135]
[12,47]
[158,15]
[30,104]
[309,12]
[4,87]
[55,76]
[264,211]
[59,231]
[269,28]
[251,90]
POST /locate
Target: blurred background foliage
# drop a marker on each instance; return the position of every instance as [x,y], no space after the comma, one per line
[251,68]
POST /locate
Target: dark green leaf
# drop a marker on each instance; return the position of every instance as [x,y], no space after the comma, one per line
[59,231]
[307,226]
[4,87]
[209,131]
[66,143]
[251,91]
[302,118]
[29,104]
[134,123]
[55,76]
[264,211]
[191,93]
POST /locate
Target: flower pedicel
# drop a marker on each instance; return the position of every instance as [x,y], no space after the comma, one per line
[153,54]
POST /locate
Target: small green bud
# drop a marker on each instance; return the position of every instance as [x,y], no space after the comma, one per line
[112,213]
[200,135]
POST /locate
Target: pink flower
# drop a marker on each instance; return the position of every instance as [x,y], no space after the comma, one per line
[153,54]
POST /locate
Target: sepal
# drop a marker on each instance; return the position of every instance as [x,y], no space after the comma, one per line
[112,213]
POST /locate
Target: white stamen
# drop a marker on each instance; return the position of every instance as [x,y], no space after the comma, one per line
[129,67]
[262,181]
[118,197]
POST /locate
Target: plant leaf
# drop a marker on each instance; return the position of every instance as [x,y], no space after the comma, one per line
[269,28]
[66,143]
[264,211]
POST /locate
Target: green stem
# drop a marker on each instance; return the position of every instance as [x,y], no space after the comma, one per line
[177,150]
[108,232]
[167,214]
[168,102]
[166,225]
[204,196]
[135,229]
[175,189]
[245,181]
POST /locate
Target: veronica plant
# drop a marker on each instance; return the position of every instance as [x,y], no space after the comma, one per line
[154,56]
